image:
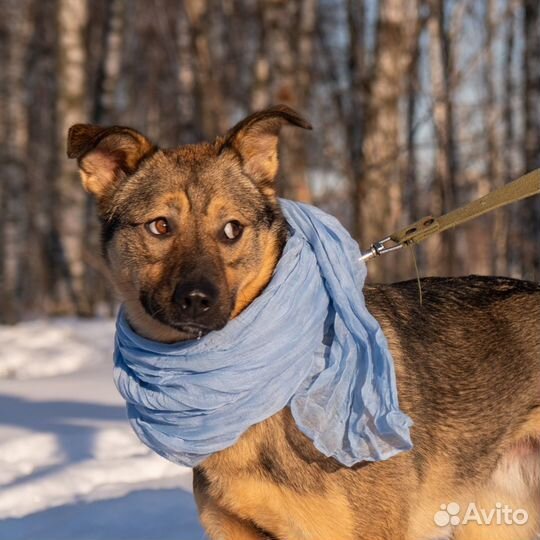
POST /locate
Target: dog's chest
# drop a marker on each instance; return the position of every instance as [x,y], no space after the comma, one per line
[261,479]
[286,512]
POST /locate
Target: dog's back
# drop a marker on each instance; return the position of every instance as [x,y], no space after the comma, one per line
[468,372]
[468,369]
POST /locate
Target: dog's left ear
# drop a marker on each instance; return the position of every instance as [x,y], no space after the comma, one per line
[256,140]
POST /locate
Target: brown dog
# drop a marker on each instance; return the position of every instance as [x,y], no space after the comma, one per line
[192,235]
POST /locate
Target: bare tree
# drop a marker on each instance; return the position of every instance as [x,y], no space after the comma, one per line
[187,106]
[6,304]
[381,194]
[105,40]
[260,91]
[511,255]
[353,115]
[441,61]
[207,81]
[15,221]
[412,200]
[289,29]
[494,148]
[72,107]
[531,113]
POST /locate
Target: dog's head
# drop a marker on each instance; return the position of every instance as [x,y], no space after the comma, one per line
[191,235]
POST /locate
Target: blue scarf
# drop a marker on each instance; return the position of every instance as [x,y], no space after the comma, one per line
[307,342]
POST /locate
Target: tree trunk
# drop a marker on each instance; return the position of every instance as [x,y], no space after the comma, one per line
[289,29]
[14,152]
[105,37]
[72,20]
[531,222]
[6,302]
[260,91]
[443,259]
[381,196]
[494,156]
[354,118]
[412,204]
[509,144]
[212,105]
[46,145]
[187,105]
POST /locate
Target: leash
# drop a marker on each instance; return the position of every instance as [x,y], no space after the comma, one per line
[522,188]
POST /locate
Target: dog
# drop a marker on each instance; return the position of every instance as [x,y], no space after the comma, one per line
[191,236]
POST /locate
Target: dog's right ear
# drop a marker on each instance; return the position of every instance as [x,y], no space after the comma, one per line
[106,155]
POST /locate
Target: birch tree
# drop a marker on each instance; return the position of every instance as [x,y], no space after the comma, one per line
[106,37]
[381,192]
[72,108]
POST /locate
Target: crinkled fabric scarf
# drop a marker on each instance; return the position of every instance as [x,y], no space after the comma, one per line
[307,342]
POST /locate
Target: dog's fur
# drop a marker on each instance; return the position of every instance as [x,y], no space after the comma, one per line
[467,360]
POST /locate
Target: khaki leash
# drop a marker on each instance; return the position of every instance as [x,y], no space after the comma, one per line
[522,188]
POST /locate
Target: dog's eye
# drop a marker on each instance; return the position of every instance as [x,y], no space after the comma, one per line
[159,226]
[232,231]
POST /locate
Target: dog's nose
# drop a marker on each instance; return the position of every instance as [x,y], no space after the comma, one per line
[195,299]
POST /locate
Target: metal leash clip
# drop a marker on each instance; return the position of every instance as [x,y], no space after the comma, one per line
[525,186]
[379,248]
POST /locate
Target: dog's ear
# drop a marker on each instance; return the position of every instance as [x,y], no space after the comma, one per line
[256,140]
[106,155]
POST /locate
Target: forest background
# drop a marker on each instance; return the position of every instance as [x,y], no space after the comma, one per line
[418,106]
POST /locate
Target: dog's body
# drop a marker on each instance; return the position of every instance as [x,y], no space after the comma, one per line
[193,235]
[468,371]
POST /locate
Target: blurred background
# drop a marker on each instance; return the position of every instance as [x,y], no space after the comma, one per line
[418,106]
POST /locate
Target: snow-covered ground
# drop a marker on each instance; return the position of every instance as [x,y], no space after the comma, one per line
[70,467]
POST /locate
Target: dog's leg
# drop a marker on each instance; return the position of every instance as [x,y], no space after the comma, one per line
[221,525]
[218,523]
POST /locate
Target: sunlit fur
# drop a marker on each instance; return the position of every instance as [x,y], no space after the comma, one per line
[467,359]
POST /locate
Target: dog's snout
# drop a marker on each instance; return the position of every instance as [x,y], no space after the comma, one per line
[195,299]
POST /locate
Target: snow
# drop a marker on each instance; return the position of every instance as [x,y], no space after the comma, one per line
[70,466]
[48,348]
